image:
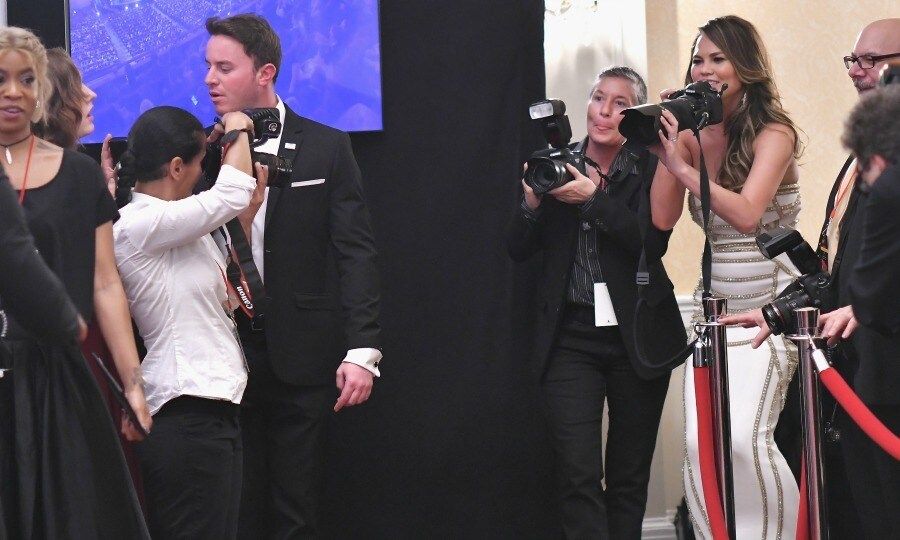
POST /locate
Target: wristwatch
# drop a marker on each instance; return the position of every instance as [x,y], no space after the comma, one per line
[232,135]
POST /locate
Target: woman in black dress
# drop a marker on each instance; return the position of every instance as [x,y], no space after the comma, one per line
[67,119]
[69,474]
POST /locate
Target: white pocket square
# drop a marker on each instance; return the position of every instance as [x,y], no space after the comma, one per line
[305,183]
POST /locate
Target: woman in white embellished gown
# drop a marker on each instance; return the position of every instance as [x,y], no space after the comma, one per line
[751,162]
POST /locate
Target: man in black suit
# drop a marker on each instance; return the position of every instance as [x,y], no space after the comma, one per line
[872,132]
[590,236]
[312,243]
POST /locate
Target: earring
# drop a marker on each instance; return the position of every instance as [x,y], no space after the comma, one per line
[37,104]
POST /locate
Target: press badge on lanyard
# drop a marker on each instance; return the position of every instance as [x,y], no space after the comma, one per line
[603,308]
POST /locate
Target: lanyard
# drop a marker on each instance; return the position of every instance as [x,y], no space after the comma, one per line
[27,167]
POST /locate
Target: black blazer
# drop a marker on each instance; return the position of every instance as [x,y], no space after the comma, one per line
[615,215]
[320,270]
[873,285]
[877,376]
[872,359]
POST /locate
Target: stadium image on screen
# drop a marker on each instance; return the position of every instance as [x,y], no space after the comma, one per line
[140,54]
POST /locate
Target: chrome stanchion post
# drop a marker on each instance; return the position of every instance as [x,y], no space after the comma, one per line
[717,352]
[811,411]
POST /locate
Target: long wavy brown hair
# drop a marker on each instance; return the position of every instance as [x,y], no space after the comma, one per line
[760,104]
[60,126]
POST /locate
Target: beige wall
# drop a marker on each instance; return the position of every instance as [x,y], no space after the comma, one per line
[806,41]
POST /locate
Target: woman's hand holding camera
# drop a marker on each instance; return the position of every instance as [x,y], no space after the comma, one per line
[237,120]
[667,150]
[578,191]
[532,199]
[230,121]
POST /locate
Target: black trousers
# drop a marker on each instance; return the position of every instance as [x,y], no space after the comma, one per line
[588,366]
[284,454]
[191,464]
[874,477]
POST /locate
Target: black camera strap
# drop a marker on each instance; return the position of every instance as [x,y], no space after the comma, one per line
[243,275]
[705,203]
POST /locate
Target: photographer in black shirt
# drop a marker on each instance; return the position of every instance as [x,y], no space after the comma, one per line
[584,345]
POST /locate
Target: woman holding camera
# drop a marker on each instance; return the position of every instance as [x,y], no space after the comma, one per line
[174,276]
[751,162]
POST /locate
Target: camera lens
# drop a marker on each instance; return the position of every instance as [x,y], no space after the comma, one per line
[544,174]
[773,318]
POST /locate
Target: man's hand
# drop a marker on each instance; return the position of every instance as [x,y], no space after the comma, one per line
[578,191]
[753,319]
[135,397]
[355,384]
[838,324]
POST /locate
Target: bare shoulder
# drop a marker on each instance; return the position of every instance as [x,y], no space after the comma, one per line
[776,133]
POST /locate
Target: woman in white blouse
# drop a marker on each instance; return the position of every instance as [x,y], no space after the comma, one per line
[173,272]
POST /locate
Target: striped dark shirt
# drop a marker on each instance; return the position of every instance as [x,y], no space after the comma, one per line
[586,266]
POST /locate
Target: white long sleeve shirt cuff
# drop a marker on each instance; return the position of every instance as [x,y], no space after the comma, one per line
[366,358]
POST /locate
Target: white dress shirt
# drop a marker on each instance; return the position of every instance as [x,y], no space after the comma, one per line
[367,358]
[172,271]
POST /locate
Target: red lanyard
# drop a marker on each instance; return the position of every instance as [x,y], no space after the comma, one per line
[25,179]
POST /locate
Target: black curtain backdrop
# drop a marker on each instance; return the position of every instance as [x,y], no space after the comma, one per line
[452,443]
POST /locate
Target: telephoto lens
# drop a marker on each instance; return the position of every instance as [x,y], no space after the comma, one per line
[695,107]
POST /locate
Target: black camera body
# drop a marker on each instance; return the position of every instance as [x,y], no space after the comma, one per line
[811,289]
[266,125]
[695,106]
[547,168]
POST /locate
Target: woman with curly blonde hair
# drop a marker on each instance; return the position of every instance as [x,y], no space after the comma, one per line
[751,160]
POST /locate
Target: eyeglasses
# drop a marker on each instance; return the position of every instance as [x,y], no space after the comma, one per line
[866,61]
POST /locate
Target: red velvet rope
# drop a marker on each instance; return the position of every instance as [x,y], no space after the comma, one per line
[708,473]
[860,414]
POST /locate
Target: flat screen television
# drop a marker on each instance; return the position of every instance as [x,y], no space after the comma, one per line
[136,54]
